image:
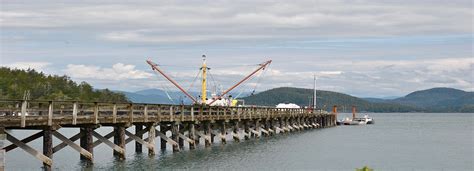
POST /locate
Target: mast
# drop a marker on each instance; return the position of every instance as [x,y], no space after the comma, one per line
[314,95]
[204,81]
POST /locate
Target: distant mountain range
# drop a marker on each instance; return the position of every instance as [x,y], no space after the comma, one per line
[435,100]
[156,96]
[431,100]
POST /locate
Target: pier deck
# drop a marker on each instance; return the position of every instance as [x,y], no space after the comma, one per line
[187,123]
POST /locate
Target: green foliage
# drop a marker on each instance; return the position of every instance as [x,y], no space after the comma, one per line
[14,82]
[365,168]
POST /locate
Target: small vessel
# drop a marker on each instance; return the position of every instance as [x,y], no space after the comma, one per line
[369,119]
[357,121]
[348,121]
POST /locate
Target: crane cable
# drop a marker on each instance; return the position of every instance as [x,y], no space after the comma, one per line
[165,89]
[194,81]
[259,78]
[247,84]
[213,81]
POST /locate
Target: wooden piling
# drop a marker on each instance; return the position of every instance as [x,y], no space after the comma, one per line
[86,141]
[181,140]
[138,146]
[236,131]
[3,138]
[47,146]
[257,128]
[223,133]
[207,132]
[197,137]
[211,133]
[192,135]
[281,124]
[246,130]
[163,130]
[151,138]
[119,140]
[174,136]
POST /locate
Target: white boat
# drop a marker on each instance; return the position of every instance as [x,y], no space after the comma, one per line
[358,121]
[348,121]
[369,119]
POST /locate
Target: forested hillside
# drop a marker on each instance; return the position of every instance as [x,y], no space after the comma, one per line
[439,100]
[325,100]
[14,83]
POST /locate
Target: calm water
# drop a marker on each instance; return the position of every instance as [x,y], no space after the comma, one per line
[414,141]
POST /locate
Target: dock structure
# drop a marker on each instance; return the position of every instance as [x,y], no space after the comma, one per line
[191,124]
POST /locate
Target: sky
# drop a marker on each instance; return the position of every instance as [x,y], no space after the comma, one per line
[365,48]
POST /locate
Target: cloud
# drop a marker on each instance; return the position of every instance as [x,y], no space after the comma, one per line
[364,47]
[118,72]
[39,66]
[182,21]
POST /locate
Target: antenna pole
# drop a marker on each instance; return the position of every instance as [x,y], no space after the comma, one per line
[155,68]
[314,95]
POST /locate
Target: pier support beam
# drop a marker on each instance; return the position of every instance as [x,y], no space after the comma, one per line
[3,139]
[271,126]
[257,128]
[268,127]
[163,130]
[236,131]
[246,130]
[282,125]
[211,133]
[223,132]
[192,135]
[208,132]
[174,136]
[180,140]
[138,146]
[47,146]
[119,140]
[197,138]
[151,138]
[86,141]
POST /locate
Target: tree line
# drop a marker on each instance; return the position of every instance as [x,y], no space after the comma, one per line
[16,83]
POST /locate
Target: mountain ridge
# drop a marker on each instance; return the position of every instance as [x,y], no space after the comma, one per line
[447,99]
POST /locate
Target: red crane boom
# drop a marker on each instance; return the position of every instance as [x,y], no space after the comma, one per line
[262,66]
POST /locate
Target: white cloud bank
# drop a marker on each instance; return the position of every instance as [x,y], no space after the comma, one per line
[118,72]
[39,66]
[363,47]
[197,21]
[361,78]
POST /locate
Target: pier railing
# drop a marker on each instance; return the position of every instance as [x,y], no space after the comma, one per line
[23,113]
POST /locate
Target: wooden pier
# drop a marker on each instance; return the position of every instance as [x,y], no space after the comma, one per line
[187,124]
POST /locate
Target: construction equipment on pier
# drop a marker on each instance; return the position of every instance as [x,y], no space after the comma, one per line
[216,99]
